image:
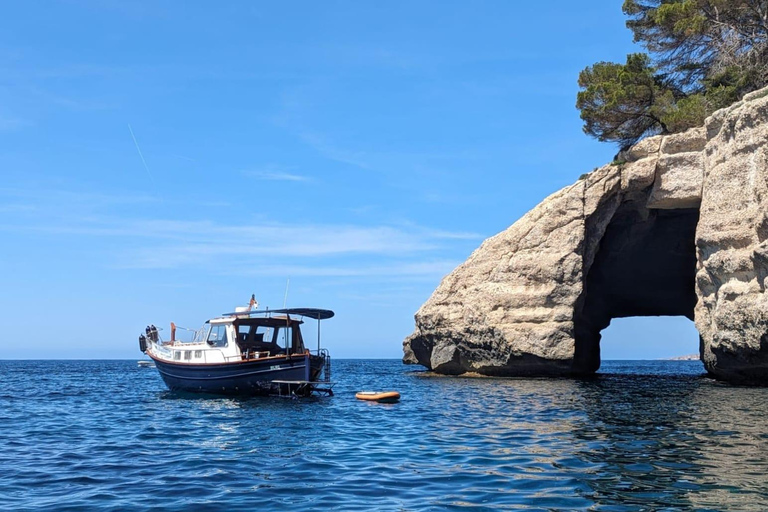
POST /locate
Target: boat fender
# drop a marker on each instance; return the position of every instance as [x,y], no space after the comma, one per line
[142,343]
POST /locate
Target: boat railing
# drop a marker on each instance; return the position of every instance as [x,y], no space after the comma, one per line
[199,335]
[252,355]
[195,336]
[326,374]
[167,350]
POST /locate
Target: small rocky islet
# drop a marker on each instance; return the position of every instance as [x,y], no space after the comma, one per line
[678,225]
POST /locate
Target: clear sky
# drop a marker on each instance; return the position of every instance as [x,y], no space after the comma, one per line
[360,149]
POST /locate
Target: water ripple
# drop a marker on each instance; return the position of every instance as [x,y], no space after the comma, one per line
[106,435]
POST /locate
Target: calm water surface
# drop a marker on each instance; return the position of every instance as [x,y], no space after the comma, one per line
[644,435]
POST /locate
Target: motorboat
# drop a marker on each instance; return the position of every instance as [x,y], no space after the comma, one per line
[244,353]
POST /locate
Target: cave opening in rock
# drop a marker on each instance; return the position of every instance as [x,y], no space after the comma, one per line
[645,265]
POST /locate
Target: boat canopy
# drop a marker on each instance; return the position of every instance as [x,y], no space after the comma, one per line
[317,314]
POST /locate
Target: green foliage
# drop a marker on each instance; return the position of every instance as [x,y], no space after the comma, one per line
[702,55]
[692,39]
[616,99]
[686,113]
[730,84]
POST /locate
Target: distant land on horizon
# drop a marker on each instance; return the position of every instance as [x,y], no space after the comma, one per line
[687,357]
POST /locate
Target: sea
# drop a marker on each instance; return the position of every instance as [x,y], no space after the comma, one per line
[640,435]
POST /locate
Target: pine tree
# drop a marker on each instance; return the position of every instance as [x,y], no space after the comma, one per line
[702,55]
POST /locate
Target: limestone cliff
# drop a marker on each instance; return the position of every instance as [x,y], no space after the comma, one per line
[678,228]
[732,243]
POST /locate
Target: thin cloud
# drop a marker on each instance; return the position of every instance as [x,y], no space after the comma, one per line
[185,241]
[407,269]
[182,157]
[43,198]
[333,152]
[12,123]
[275,176]
[17,208]
[166,244]
[69,198]
[255,245]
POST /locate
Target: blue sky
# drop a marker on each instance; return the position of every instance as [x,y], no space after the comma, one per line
[360,149]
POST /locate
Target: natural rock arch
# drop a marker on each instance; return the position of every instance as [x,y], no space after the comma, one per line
[645,266]
[678,227]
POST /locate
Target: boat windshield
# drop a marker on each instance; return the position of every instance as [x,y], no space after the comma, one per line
[218,336]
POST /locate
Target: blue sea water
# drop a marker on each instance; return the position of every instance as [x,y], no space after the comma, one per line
[643,435]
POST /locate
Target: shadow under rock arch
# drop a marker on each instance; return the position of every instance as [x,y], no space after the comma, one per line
[645,265]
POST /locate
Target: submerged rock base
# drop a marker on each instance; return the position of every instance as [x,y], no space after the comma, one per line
[678,228]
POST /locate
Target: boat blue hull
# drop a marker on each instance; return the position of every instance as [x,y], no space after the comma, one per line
[239,378]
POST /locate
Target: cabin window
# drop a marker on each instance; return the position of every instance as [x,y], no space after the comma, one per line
[187,355]
[285,337]
[218,336]
[254,334]
[261,332]
[176,355]
[265,334]
[198,354]
[243,333]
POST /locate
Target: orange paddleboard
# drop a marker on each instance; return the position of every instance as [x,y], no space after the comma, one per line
[379,396]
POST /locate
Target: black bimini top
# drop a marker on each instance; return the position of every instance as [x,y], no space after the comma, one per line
[317,314]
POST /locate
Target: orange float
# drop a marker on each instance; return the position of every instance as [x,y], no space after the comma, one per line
[386,397]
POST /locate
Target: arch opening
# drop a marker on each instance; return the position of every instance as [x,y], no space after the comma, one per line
[645,265]
[635,338]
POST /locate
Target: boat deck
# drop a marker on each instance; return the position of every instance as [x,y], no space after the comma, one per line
[294,388]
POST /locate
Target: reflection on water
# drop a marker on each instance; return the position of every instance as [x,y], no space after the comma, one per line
[640,436]
[680,440]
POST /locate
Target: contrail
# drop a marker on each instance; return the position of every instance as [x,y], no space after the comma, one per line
[146,167]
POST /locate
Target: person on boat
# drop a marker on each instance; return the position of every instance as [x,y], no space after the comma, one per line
[173,332]
[253,304]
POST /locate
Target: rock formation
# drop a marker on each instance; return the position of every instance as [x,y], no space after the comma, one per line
[732,243]
[677,227]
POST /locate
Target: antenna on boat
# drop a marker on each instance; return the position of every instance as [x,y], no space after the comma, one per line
[285,299]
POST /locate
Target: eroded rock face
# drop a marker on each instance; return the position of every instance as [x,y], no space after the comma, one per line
[518,285]
[678,229]
[732,243]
